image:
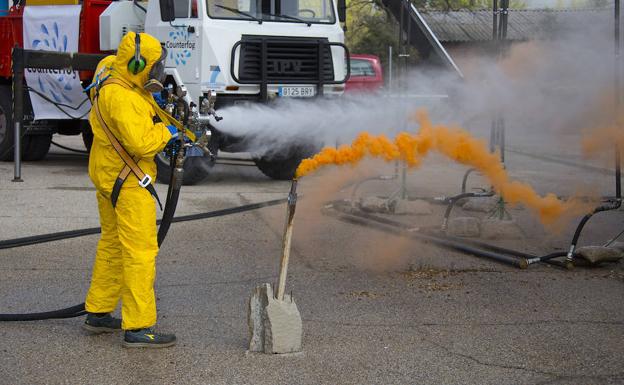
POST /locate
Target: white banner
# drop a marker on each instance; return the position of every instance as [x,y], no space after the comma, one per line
[54,28]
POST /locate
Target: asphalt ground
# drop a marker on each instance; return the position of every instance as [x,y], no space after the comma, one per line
[376,308]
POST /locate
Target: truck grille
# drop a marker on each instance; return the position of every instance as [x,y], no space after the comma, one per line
[287,59]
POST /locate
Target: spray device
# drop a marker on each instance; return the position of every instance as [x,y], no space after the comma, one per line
[194,120]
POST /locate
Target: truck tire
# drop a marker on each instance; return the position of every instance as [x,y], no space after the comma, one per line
[36,147]
[279,168]
[283,166]
[196,169]
[6,123]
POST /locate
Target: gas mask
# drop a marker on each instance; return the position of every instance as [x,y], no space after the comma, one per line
[157,74]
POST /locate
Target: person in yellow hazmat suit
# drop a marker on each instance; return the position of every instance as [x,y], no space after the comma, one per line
[125,263]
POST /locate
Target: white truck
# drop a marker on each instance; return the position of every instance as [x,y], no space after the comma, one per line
[242,51]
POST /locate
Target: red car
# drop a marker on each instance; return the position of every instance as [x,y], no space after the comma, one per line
[366,74]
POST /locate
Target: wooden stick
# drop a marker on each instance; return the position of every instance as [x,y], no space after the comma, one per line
[286,240]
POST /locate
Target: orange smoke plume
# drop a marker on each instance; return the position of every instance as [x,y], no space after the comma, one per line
[455,143]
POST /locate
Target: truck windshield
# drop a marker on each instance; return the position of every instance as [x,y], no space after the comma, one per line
[285,11]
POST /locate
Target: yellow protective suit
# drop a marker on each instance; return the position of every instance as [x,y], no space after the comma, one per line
[125,261]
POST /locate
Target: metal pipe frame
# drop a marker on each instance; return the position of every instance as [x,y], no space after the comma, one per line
[24,58]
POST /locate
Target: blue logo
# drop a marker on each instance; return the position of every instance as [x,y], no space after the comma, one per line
[179,46]
[50,39]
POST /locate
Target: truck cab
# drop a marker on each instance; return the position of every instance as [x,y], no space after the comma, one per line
[253,50]
[243,51]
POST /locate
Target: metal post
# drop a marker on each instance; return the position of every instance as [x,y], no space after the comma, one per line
[502,44]
[18,111]
[502,139]
[390,68]
[505,18]
[495,38]
[494,19]
[403,55]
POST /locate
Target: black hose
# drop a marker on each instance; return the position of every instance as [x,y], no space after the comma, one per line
[548,257]
[391,226]
[70,312]
[37,239]
[69,148]
[577,233]
[136,4]
[465,179]
[487,246]
[405,229]
[453,200]
[79,310]
[59,105]
[172,202]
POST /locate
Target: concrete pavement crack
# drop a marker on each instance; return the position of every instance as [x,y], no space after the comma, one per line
[554,376]
[485,363]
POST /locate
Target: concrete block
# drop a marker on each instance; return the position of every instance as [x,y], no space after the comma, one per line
[274,326]
[598,254]
[374,204]
[481,204]
[500,229]
[407,207]
[464,227]
[257,303]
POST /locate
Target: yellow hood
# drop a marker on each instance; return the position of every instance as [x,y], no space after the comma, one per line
[151,51]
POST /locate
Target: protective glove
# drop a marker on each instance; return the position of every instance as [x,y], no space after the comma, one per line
[173,130]
[159,99]
[173,146]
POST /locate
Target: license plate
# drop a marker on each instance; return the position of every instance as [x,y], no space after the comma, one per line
[296,92]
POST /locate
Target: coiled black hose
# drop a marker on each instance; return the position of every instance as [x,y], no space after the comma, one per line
[79,310]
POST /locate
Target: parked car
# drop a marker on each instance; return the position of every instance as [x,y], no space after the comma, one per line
[366,74]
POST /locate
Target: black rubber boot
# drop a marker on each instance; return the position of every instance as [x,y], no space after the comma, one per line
[147,338]
[101,323]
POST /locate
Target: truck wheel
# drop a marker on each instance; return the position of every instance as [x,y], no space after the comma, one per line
[283,166]
[196,169]
[36,147]
[6,123]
